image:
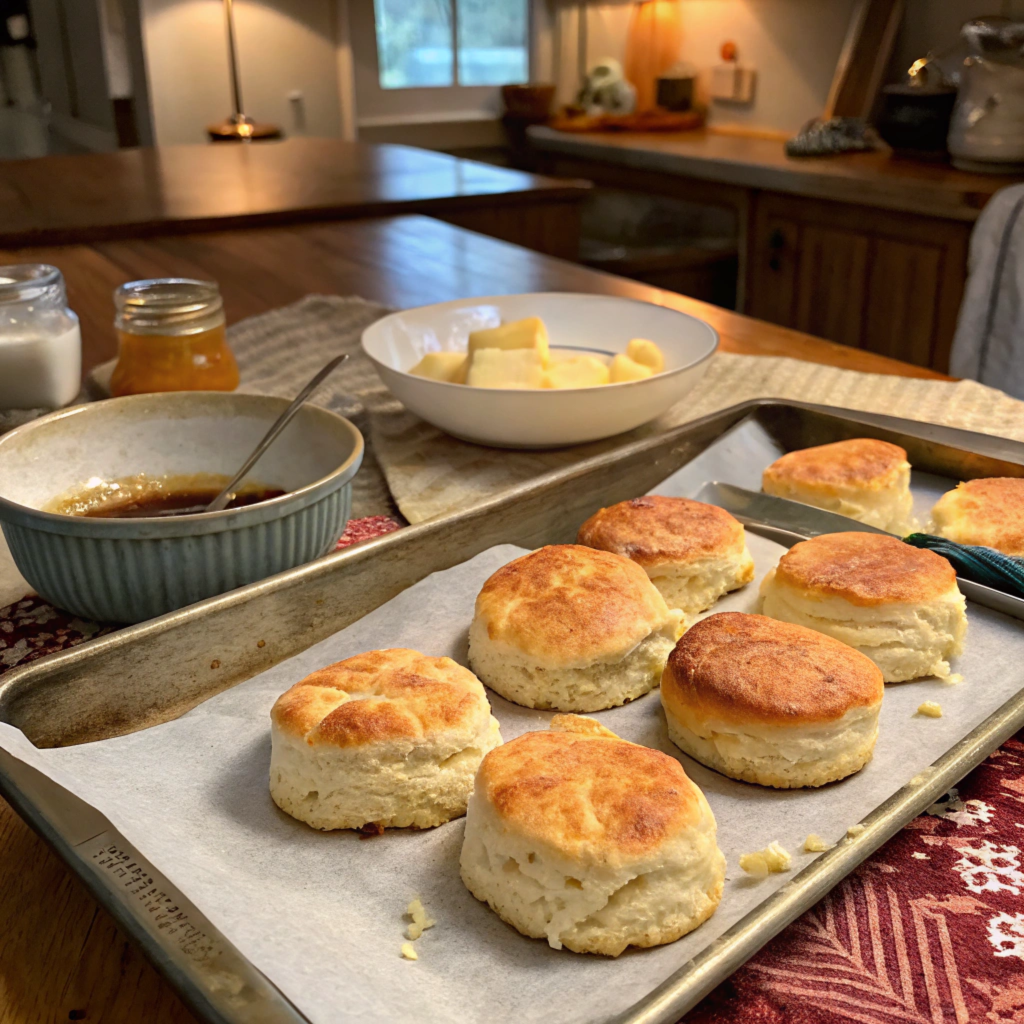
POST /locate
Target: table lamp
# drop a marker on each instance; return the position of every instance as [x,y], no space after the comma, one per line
[652,46]
[238,127]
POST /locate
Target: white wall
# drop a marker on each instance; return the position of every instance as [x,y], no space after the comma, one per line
[793,44]
[283,45]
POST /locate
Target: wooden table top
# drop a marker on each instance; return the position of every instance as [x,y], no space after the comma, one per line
[400,261]
[134,192]
[870,179]
[61,956]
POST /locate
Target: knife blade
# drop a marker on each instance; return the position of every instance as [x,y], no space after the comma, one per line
[789,522]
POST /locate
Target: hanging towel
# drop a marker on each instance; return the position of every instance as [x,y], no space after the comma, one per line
[989,342]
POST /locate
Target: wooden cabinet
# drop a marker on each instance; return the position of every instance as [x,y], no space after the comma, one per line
[879,280]
[865,249]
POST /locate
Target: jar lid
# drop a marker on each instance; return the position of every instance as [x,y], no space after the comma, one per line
[168,305]
[24,282]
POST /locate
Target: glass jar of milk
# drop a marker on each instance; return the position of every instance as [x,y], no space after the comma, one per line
[40,343]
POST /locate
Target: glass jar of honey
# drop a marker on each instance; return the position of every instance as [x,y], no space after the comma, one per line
[171,338]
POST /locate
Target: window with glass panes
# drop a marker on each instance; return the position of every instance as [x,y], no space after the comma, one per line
[445,43]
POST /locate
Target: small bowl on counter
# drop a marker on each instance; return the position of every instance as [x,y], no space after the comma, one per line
[130,569]
[541,417]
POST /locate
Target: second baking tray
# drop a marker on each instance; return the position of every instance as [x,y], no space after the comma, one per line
[43,699]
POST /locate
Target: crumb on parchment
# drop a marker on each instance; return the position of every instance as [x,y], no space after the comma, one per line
[420,922]
[815,844]
[761,863]
[930,709]
[408,952]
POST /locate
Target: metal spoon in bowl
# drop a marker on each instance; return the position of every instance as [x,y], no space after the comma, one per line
[221,501]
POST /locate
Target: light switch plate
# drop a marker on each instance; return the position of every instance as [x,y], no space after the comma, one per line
[732,84]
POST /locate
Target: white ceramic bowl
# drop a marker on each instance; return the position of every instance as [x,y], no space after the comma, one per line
[517,418]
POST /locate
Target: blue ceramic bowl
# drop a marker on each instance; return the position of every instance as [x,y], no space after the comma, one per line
[127,570]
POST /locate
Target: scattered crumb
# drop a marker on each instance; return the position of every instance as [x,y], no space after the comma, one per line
[920,856]
[420,921]
[815,844]
[408,952]
[261,643]
[855,830]
[215,663]
[771,860]
[930,709]
[953,678]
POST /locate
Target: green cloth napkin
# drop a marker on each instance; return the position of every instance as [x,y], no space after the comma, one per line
[982,565]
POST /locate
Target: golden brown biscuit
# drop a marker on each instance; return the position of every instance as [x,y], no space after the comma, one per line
[987,512]
[897,604]
[592,842]
[863,478]
[771,702]
[571,628]
[389,737]
[693,552]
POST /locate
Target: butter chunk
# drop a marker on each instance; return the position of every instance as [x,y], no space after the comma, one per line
[577,372]
[930,709]
[769,861]
[449,367]
[625,369]
[420,921]
[646,353]
[815,844]
[529,333]
[500,368]
[408,952]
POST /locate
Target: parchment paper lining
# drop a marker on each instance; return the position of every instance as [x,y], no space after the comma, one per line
[321,914]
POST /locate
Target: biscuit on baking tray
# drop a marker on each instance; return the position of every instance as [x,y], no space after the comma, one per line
[987,512]
[771,702]
[387,738]
[591,842]
[865,479]
[693,552]
[897,604]
[571,628]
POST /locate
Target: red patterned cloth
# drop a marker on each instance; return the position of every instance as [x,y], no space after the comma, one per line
[929,930]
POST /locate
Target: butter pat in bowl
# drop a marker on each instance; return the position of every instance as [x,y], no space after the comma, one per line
[540,370]
[130,569]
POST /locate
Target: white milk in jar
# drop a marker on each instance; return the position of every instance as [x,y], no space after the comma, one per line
[40,341]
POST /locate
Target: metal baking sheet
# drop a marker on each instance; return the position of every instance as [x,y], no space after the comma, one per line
[321,598]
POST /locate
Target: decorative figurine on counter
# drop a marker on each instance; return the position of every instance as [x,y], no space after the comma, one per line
[606,91]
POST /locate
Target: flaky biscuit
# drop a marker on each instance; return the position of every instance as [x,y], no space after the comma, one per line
[591,842]
[771,702]
[390,738]
[693,552]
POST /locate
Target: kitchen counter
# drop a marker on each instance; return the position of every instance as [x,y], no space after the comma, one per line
[865,249]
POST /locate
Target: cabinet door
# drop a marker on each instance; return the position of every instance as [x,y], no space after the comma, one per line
[880,280]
